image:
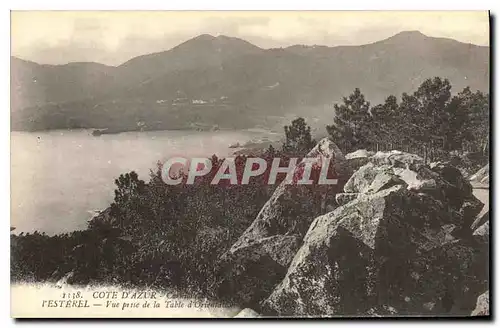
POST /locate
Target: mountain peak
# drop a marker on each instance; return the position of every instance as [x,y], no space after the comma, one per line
[408,35]
[207,41]
[405,38]
[203,37]
[414,33]
[218,38]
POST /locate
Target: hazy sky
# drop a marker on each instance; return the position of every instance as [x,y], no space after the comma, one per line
[112,37]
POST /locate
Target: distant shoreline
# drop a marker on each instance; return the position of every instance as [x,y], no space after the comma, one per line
[222,129]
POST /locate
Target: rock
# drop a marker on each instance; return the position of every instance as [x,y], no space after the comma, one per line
[382,311]
[470,210]
[247,313]
[441,180]
[480,220]
[415,181]
[482,305]
[457,190]
[64,281]
[397,158]
[279,248]
[393,247]
[264,251]
[481,177]
[344,198]
[277,217]
[452,175]
[361,180]
[384,180]
[358,158]
[481,261]
[399,243]
[397,167]
[360,153]
[385,176]
[482,234]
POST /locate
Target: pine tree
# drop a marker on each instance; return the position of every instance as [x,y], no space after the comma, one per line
[424,116]
[457,129]
[384,124]
[478,107]
[298,138]
[351,123]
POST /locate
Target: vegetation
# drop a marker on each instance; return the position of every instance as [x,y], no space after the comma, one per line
[298,140]
[429,122]
[162,236]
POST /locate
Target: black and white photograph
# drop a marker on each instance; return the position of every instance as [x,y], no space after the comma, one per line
[250,164]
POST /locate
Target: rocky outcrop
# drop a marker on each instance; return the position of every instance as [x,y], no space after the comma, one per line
[482,177]
[482,305]
[65,280]
[276,218]
[358,158]
[440,180]
[371,178]
[398,243]
[396,158]
[480,220]
[266,248]
[360,153]
[345,197]
[382,248]
[483,232]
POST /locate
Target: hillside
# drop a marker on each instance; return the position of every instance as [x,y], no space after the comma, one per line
[35,85]
[231,83]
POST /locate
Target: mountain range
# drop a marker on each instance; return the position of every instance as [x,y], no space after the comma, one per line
[228,82]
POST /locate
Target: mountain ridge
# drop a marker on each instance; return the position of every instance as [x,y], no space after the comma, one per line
[210,79]
[231,37]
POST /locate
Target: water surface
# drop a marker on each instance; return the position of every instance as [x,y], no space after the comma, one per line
[58,178]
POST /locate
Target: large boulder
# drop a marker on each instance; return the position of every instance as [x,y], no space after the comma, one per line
[397,240]
[360,153]
[396,158]
[260,257]
[392,247]
[345,197]
[439,180]
[400,237]
[371,178]
[480,220]
[482,305]
[66,280]
[481,238]
[481,177]
[482,233]
[358,158]
[281,213]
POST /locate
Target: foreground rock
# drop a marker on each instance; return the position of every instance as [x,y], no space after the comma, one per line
[260,257]
[66,280]
[400,238]
[482,305]
[440,180]
[482,234]
[382,248]
[481,177]
[358,158]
